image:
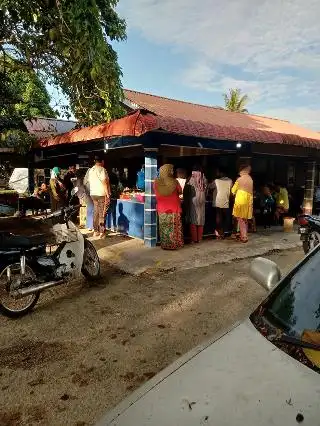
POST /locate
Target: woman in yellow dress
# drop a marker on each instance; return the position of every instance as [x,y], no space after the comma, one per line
[243,204]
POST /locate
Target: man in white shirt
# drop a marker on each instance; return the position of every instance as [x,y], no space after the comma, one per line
[221,201]
[97,180]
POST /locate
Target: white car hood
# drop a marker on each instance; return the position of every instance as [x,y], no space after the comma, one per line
[239,380]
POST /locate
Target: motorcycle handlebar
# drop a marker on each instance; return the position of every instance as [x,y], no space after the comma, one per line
[65,211]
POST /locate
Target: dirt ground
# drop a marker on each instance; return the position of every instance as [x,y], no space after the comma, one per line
[83,349]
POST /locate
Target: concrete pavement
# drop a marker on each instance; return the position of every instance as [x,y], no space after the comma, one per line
[130,255]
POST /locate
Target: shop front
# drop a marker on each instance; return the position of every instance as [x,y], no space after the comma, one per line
[138,141]
[133,213]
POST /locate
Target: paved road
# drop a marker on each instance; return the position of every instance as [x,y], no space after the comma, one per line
[84,349]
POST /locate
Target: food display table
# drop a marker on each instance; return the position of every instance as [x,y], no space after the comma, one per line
[127,217]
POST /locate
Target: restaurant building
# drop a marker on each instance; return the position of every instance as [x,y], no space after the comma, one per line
[157,130]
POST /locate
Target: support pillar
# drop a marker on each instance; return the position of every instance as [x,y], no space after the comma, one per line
[150,212]
[309,187]
[31,183]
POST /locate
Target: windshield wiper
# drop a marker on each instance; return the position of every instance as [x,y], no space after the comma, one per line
[290,340]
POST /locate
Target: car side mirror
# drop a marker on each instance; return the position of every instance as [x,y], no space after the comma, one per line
[265,272]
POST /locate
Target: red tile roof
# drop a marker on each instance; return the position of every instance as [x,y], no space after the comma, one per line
[191,120]
[216,116]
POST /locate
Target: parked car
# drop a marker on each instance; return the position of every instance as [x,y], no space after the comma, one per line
[263,372]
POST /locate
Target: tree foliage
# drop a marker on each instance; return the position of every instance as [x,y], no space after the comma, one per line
[70,42]
[26,90]
[235,101]
[22,96]
[34,99]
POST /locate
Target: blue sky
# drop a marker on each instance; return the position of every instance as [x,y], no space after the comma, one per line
[196,50]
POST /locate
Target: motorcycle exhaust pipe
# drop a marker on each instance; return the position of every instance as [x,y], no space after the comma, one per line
[22,292]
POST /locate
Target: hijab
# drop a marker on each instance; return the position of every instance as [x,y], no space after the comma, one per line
[198,180]
[166,184]
[55,172]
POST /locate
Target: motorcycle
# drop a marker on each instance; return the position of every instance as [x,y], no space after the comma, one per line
[309,230]
[29,267]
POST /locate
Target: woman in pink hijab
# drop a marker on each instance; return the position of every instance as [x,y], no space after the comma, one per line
[194,198]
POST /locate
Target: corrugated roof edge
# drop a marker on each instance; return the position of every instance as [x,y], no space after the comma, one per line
[139,122]
[52,119]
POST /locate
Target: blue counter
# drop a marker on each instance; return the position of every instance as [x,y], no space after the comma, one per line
[127,217]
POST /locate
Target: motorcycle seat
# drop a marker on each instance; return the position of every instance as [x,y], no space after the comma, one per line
[11,241]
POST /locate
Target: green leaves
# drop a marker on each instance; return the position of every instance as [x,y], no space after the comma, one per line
[76,67]
[235,101]
[17,139]
[22,96]
[68,40]
[53,34]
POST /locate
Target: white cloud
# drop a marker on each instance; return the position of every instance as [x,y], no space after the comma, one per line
[269,41]
[256,34]
[200,76]
[269,88]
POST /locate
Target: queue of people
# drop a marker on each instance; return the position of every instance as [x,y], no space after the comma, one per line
[181,205]
[93,190]
[181,201]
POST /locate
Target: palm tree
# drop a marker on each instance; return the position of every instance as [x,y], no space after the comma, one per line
[235,101]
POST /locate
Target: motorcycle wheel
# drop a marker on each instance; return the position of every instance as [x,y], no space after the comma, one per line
[91,262]
[9,305]
[305,246]
[313,240]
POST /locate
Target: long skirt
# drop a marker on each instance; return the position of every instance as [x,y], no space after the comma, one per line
[243,205]
[170,227]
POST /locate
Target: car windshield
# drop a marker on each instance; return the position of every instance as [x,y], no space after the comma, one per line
[295,305]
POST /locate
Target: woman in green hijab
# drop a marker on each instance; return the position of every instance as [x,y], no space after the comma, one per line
[58,195]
